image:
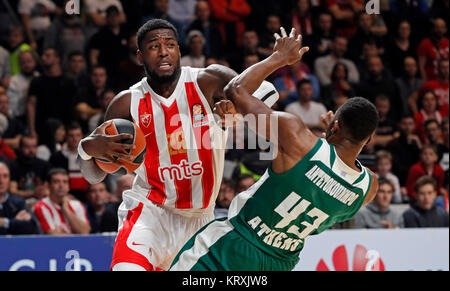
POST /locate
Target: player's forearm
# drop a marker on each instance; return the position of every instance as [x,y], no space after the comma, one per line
[251,78]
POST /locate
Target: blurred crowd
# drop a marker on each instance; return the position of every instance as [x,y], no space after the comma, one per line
[62,62]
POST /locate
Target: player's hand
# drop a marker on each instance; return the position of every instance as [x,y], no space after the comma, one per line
[227,113]
[326,119]
[108,147]
[289,48]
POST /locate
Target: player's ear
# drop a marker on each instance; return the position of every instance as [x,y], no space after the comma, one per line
[371,137]
[139,57]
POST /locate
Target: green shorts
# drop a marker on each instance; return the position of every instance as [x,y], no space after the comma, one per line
[219,247]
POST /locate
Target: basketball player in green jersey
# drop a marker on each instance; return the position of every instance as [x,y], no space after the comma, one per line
[311,184]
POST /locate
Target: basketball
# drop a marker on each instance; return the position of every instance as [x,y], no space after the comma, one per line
[121,126]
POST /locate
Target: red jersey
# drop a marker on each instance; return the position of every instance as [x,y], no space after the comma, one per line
[184,161]
[433,52]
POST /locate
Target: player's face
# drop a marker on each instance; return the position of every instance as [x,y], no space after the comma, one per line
[160,54]
[425,196]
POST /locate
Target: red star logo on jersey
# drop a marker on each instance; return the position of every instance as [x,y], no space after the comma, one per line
[146,119]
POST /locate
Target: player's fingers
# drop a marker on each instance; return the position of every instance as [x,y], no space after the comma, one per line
[283,32]
[292,34]
[277,36]
[303,50]
[103,126]
[121,136]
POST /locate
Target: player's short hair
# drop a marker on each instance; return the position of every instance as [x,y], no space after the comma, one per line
[358,117]
[152,25]
[424,180]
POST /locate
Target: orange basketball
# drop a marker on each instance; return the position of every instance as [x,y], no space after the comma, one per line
[120,126]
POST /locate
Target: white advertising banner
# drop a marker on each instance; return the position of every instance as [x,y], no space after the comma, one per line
[419,249]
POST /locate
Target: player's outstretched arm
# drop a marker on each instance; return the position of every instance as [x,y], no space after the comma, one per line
[100,145]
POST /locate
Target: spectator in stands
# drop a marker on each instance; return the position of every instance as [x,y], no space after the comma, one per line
[108,46]
[19,84]
[444,162]
[433,134]
[379,213]
[161,10]
[54,138]
[286,84]
[88,98]
[428,109]
[432,49]
[59,213]
[229,16]
[439,86]
[408,82]
[51,95]
[383,164]
[226,194]
[130,70]
[400,47]
[309,111]
[302,18]
[6,152]
[363,35]
[97,119]
[14,218]
[204,24]
[376,84]
[415,11]
[345,14]
[125,182]
[267,38]
[5,67]
[28,173]
[320,42]
[11,136]
[76,69]
[101,214]
[36,19]
[250,45]
[370,49]
[323,66]
[67,159]
[424,213]
[97,12]
[244,182]
[250,60]
[426,166]
[16,45]
[67,33]
[182,11]
[405,149]
[340,86]
[387,128]
[195,43]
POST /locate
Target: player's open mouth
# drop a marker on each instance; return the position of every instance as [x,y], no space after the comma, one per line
[165,66]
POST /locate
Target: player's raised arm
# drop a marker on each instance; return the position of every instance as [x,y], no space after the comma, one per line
[287,51]
[100,145]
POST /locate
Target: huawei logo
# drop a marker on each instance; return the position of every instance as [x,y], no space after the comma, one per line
[363,260]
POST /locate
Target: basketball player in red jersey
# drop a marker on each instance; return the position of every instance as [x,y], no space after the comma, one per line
[175,189]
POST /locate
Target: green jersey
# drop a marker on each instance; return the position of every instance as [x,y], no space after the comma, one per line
[279,211]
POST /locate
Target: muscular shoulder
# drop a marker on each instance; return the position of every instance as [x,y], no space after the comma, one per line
[213,79]
[120,106]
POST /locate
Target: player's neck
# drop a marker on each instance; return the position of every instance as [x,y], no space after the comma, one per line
[164,89]
[347,152]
